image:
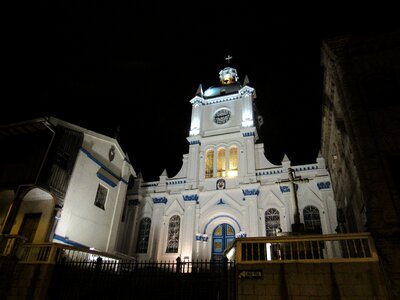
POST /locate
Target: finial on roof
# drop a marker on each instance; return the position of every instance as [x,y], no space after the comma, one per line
[228,58]
[246,80]
[199,91]
[285,158]
[164,173]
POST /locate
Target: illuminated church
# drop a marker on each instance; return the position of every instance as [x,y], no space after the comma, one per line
[226,187]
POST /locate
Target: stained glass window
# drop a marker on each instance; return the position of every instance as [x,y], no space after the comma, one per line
[221,163]
[312,220]
[209,163]
[272,221]
[143,236]
[173,234]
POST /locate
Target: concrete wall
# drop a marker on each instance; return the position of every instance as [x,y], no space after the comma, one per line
[312,281]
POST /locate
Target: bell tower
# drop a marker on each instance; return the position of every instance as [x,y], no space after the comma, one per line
[222,132]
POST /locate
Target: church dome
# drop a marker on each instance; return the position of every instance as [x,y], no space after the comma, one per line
[228,75]
[229,84]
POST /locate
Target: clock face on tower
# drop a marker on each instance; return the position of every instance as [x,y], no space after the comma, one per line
[222,116]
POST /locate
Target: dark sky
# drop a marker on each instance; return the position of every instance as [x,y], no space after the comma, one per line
[136,67]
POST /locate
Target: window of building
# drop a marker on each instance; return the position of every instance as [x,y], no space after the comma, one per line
[209,163]
[227,162]
[221,163]
[143,236]
[101,197]
[173,234]
[312,220]
[272,221]
[233,162]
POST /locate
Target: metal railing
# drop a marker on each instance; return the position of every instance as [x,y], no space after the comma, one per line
[357,247]
[50,253]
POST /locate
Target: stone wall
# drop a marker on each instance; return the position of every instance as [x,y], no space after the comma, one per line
[311,281]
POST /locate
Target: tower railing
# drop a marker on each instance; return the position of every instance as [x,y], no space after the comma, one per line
[355,247]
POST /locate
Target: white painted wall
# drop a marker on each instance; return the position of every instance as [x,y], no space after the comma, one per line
[81,221]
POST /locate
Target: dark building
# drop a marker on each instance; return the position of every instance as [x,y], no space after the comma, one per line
[361,138]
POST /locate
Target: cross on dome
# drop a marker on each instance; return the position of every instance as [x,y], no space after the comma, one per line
[228,58]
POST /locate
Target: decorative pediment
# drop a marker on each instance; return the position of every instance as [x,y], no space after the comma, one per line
[174,208]
[247,91]
[196,101]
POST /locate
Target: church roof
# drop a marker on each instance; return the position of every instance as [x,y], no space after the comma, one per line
[221,90]
[229,84]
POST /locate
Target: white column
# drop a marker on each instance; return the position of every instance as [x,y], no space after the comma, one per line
[204,254]
[196,252]
[116,218]
[250,194]
[247,111]
[193,162]
[251,166]
[196,118]
[156,219]
[252,215]
[188,235]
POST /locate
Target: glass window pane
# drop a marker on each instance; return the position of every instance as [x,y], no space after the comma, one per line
[209,163]
[233,162]
[221,163]
[143,236]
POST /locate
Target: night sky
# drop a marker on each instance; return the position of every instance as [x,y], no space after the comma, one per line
[136,67]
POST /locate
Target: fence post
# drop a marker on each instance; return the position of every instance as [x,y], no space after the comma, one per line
[224,292]
[178,264]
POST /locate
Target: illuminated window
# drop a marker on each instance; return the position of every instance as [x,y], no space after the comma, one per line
[209,163]
[233,162]
[312,220]
[143,236]
[101,196]
[221,163]
[173,234]
[272,221]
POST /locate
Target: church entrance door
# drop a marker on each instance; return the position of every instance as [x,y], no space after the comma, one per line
[223,236]
[29,226]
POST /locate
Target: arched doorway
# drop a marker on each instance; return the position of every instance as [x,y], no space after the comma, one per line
[223,236]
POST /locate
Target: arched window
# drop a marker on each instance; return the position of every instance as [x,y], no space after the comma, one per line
[209,163]
[143,236]
[272,221]
[221,163]
[173,234]
[233,162]
[312,220]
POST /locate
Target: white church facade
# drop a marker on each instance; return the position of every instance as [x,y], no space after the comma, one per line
[226,187]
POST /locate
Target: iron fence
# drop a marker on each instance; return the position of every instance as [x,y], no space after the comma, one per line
[76,279]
